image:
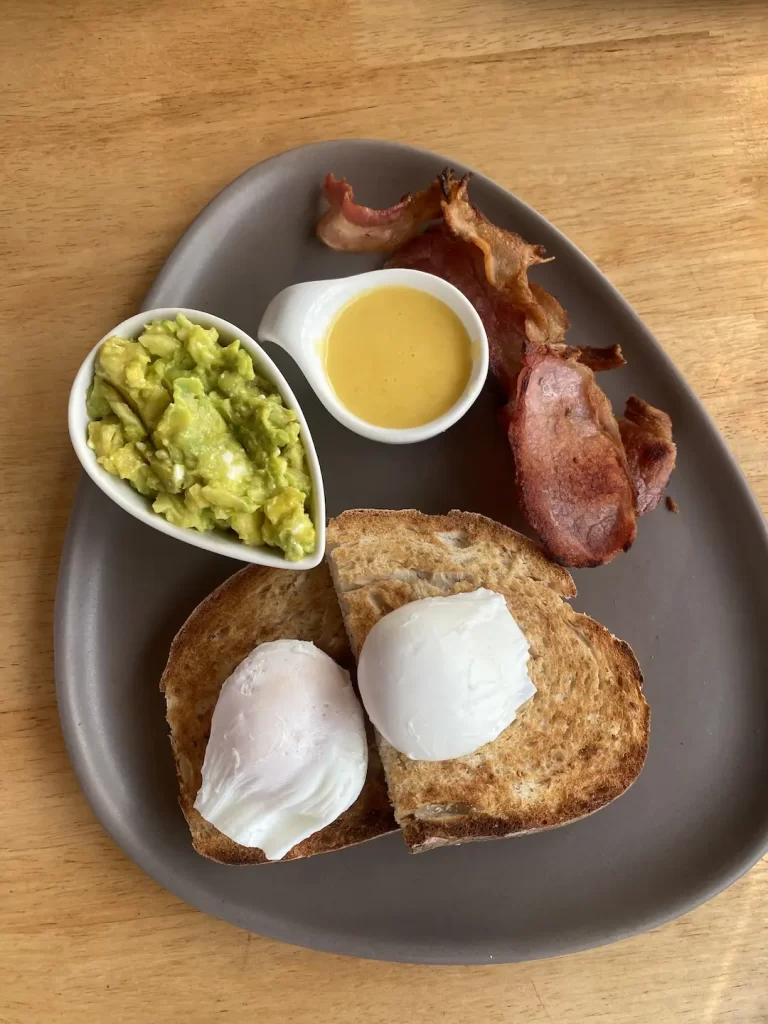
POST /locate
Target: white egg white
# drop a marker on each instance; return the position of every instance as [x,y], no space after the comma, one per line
[287,752]
[442,677]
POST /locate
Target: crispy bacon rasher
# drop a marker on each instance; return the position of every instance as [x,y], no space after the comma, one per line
[571,467]
[506,260]
[646,434]
[347,225]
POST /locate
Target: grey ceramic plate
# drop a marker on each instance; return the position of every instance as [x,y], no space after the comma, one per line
[691,597]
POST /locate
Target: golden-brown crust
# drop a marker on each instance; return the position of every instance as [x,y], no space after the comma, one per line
[521,556]
[255,605]
[422,836]
[581,740]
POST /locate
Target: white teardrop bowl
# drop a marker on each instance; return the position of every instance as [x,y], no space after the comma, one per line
[121,492]
[298,320]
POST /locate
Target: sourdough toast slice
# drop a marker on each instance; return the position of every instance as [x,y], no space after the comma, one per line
[255,605]
[576,745]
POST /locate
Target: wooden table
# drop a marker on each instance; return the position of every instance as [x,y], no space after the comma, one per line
[640,128]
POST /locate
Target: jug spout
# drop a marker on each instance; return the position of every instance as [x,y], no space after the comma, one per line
[294,319]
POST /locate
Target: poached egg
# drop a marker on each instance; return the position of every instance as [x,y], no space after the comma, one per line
[442,677]
[287,752]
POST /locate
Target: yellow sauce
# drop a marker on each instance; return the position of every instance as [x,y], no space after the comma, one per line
[397,357]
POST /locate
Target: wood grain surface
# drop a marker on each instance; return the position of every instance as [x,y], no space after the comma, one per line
[639,127]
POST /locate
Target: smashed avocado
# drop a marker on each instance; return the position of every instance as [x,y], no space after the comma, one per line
[184,418]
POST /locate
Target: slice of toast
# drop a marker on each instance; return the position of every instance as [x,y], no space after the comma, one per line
[576,745]
[256,605]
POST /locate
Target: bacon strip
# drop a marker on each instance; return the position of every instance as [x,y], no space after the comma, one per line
[506,258]
[646,434]
[570,463]
[354,228]
[599,358]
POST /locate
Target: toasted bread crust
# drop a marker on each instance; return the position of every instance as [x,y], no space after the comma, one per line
[577,745]
[255,605]
[507,554]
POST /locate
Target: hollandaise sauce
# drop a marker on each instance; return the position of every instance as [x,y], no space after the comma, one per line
[397,357]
